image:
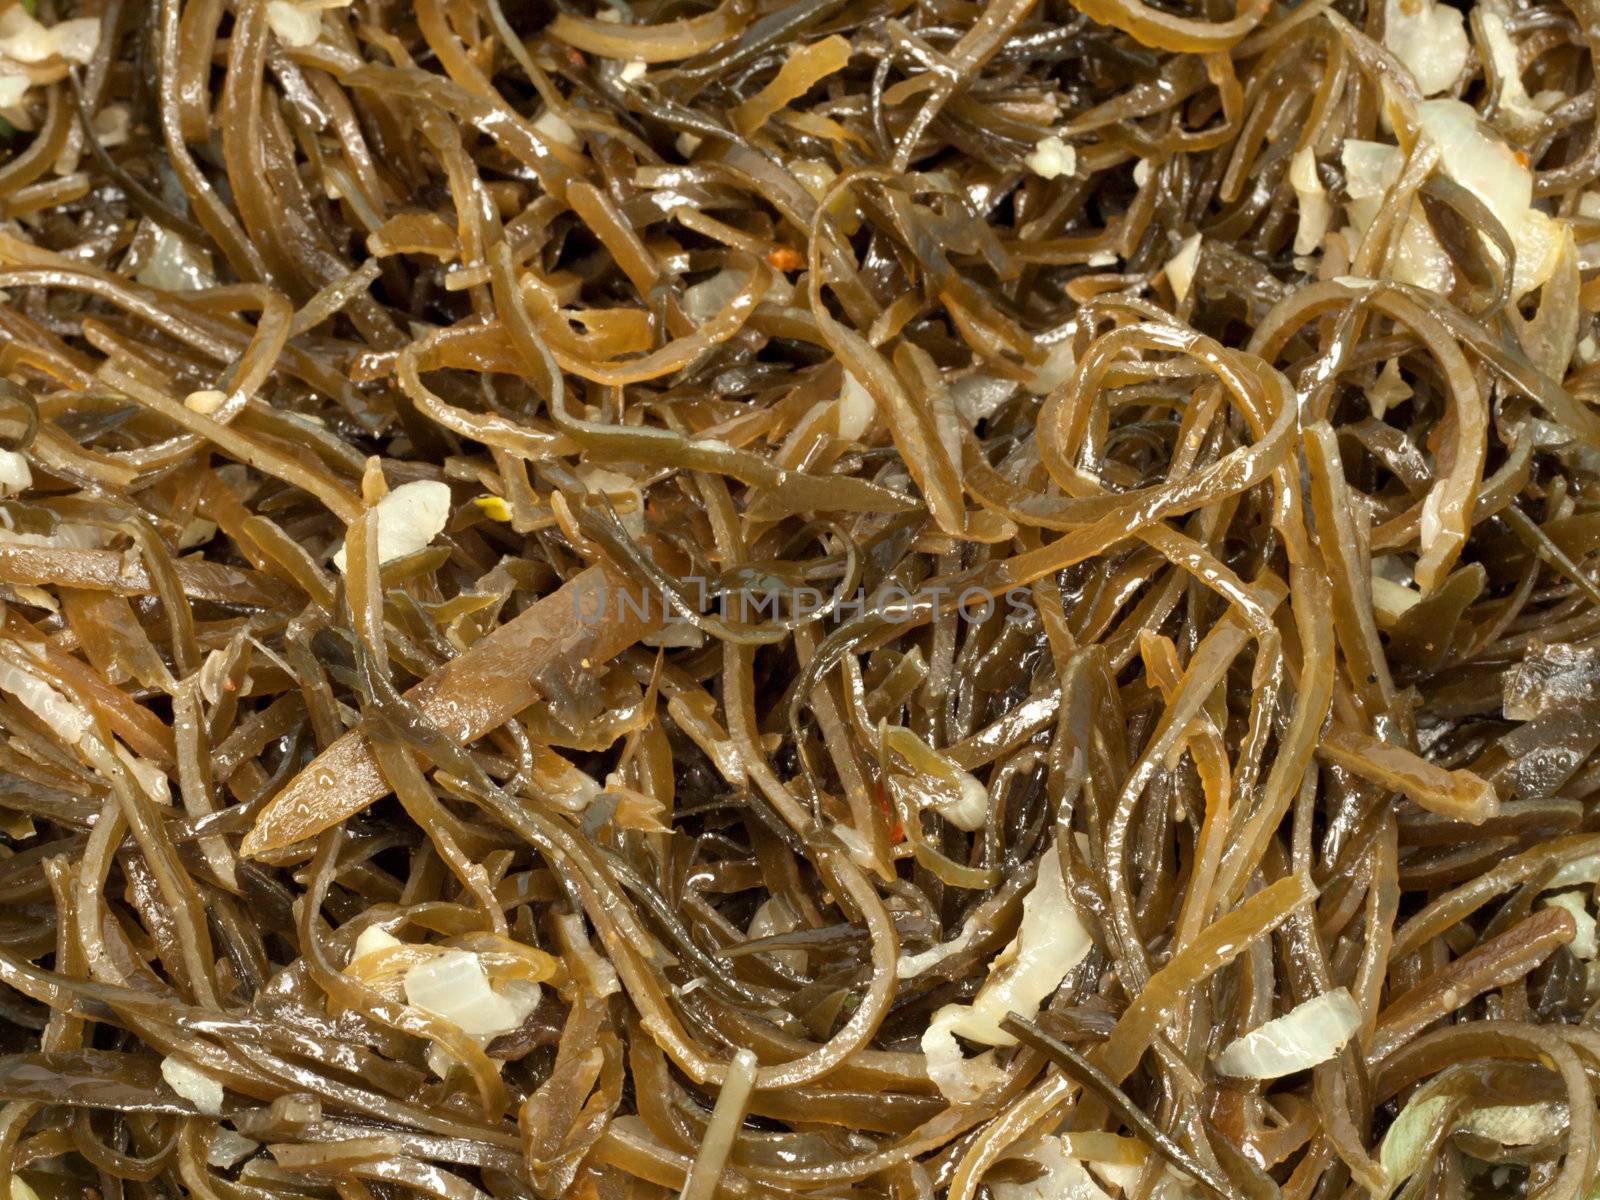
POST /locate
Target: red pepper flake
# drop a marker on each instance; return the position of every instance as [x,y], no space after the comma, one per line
[785,258]
[1522,158]
[897,833]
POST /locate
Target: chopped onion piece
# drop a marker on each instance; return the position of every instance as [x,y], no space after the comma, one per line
[112,124]
[296,25]
[1391,600]
[14,472]
[193,1084]
[775,917]
[911,965]
[454,986]
[571,788]
[856,409]
[1116,1160]
[855,845]
[206,401]
[979,397]
[1394,592]
[706,299]
[557,130]
[1583,942]
[1371,168]
[1388,390]
[1180,267]
[603,978]
[228,1148]
[1517,1124]
[65,537]
[1064,1177]
[816,176]
[1407,1140]
[1474,156]
[1429,38]
[959,1079]
[936,782]
[1579,870]
[1315,210]
[68,721]
[371,940]
[1052,158]
[77,40]
[1051,941]
[1306,1035]
[197,532]
[409,518]
[24,40]
[173,265]
[1514,101]
[1056,369]
[676,634]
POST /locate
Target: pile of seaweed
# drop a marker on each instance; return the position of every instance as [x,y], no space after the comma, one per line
[808,598]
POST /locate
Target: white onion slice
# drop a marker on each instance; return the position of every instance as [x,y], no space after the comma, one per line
[1180,267]
[409,518]
[1429,38]
[455,986]
[193,1084]
[1052,158]
[1306,1035]
[1583,942]
[1064,1177]
[1051,941]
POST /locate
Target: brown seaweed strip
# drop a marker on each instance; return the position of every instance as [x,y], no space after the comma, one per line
[472,694]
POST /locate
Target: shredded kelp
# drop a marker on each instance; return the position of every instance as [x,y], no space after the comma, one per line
[799,598]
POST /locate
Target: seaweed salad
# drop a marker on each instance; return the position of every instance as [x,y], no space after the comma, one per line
[799,599]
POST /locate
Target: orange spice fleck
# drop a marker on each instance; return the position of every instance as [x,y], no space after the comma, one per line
[897,833]
[785,258]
